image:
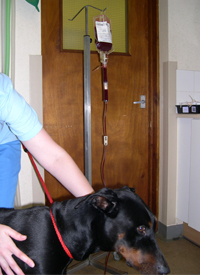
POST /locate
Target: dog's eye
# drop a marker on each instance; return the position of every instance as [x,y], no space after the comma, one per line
[141,229]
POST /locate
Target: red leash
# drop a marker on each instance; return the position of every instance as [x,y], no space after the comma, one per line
[60,237]
[51,202]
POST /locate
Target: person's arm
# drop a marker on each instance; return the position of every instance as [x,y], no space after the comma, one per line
[59,163]
[8,248]
[23,122]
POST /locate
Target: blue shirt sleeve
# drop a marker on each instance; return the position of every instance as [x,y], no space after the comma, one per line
[16,113]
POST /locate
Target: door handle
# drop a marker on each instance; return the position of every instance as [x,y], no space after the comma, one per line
[142,102]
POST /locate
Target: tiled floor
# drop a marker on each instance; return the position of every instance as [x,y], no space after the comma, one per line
[182,256]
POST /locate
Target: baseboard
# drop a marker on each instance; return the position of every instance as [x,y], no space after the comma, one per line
[191,234]
[169,232]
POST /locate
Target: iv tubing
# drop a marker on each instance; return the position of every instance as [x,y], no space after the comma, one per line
[103,58]
[104,147]
[7,38]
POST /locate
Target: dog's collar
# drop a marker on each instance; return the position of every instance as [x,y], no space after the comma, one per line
[60,237]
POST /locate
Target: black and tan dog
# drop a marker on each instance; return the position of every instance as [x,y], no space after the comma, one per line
[109,220]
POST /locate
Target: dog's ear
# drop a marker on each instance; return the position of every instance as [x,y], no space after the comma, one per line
[107,203]
[104,200]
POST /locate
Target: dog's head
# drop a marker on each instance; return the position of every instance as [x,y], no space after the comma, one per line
[129,229]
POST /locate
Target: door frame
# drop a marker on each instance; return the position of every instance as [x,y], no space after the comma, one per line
[154,106]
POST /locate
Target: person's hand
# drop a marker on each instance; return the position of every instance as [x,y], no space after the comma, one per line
[8,248]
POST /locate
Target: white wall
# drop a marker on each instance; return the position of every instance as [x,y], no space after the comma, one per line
[184,33]
[188,180]
[27,45]
[179,35]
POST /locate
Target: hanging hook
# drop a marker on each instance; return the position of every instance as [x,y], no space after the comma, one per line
[84,8]
[86,16]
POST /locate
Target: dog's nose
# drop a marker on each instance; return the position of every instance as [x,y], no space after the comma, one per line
[163,269]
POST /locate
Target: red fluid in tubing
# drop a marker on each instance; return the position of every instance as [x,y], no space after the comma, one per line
[105,83]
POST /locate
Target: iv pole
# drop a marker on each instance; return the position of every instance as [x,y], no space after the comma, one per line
[87,102]
[87,97]
[93,259]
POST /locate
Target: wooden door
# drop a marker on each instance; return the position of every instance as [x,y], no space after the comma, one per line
[132,151]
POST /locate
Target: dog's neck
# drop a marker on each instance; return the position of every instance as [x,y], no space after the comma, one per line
[75,229]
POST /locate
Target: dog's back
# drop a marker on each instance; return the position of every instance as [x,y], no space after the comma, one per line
[42,244]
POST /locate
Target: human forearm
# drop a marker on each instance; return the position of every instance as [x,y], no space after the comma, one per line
[58,162]
[67,172]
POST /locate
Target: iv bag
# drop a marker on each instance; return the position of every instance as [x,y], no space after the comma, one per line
[103,35]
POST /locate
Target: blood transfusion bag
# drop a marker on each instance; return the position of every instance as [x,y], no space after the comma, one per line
[103,41]
[103,35]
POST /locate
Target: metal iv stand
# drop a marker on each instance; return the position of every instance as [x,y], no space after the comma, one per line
[93,259]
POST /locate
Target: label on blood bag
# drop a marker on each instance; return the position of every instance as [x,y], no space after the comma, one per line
[103,32]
